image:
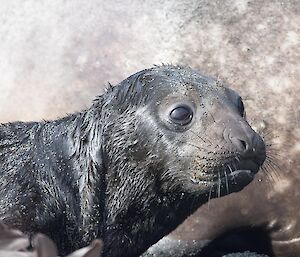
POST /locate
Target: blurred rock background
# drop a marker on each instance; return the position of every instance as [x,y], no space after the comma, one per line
[55,56]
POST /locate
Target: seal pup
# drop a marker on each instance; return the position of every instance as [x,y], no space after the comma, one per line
[130,168]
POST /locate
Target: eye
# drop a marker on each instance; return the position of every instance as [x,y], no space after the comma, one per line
[181,115]
[241,107]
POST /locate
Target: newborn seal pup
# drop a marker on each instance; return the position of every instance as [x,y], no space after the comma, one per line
[130,168]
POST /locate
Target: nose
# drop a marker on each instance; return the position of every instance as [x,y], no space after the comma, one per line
[248,144]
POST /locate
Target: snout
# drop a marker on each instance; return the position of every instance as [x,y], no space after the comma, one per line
[247,143]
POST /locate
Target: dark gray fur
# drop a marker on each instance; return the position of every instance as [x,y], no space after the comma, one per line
[117,171]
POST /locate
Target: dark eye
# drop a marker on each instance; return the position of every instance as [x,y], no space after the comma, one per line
[181,115]
[241,107]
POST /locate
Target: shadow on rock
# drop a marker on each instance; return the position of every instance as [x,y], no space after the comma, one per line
[253,239]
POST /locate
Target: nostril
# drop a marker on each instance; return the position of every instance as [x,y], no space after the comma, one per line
[244,144]
[241,145]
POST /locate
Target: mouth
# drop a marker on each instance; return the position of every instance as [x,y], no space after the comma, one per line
[227,179]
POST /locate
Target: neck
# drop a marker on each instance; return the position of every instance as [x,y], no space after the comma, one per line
[139,213]
[74,149]
[90,175]
[139,209]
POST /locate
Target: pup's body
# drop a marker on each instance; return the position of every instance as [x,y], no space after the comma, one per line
[130,168]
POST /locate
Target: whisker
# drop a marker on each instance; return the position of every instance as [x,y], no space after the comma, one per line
[226,180]
[267,133]
[229,168]
[272,158]
[219,185]
[200,137]
[194,156]
[273,167]
[272,171]
[212,117]
[198,147]
[209,196]
[273,163]
[272,153]
[266,171]
[235,168]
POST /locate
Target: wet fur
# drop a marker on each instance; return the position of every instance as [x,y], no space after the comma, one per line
[114,171]
[56,180]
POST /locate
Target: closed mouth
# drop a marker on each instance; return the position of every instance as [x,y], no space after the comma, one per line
[228,175]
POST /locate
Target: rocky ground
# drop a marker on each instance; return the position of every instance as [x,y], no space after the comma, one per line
[14,243]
